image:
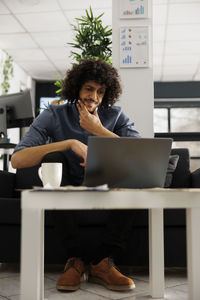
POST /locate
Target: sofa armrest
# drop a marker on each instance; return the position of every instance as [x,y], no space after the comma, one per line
[7,184]
[196,178]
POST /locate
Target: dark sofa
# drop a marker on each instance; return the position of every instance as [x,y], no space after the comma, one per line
[93,221]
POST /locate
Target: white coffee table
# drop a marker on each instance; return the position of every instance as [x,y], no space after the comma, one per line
[34,203]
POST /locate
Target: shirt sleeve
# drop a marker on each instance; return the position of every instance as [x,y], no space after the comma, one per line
[125,127]
[39,132]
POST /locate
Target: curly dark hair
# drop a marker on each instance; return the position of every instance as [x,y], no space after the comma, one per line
[98,71]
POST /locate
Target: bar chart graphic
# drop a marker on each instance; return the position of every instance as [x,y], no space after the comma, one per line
[127,60]
[133,9]
[134,47]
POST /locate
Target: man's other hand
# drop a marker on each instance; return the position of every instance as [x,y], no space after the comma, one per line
[80,149]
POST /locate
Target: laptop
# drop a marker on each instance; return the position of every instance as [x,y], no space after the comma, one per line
[127,162]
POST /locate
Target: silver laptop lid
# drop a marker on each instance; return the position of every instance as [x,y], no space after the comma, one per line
[127,162]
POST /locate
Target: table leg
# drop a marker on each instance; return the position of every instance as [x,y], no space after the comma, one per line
[156,253]
[32,254]
[193,252]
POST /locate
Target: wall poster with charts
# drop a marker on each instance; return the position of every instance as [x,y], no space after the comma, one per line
[134,47]
[133,9]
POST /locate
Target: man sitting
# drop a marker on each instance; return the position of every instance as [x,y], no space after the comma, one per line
[91,89]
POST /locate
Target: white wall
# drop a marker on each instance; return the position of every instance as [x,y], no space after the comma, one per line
[137,98]
[20,81]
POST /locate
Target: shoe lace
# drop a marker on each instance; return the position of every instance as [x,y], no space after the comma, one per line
[112,264]
[72,262]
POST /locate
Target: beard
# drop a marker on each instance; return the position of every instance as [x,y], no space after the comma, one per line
[90,104]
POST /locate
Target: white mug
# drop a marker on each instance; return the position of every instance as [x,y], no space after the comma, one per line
[51,174]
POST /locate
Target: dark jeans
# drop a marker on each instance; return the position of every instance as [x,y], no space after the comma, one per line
[116,231]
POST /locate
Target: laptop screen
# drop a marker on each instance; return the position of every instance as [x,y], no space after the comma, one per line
[127,162]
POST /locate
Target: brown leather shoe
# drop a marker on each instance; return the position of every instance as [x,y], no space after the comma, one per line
[106,274]
[70,279]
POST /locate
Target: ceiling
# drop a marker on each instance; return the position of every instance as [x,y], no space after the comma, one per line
[36,33]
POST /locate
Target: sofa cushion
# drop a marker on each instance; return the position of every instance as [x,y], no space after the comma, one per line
[181,176]
[196,178]
[174,217]
[10,212]
[7,184]
[26,178]
[173,161]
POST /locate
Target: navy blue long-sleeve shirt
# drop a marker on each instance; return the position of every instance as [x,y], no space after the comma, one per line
[61,122]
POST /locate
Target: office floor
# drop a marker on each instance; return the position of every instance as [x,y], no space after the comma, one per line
[176,285]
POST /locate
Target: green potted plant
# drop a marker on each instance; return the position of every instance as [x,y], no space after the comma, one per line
[7,73]
[91,39]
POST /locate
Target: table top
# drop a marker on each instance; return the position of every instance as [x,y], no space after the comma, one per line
[112,199]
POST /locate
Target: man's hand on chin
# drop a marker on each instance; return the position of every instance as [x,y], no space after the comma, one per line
[88,120]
